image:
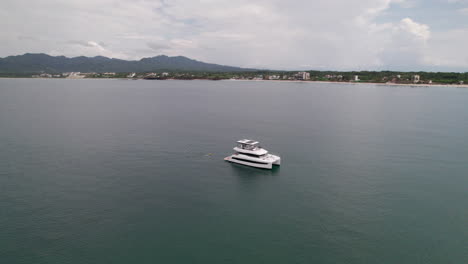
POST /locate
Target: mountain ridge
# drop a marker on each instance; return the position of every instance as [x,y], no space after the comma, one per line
[41,62]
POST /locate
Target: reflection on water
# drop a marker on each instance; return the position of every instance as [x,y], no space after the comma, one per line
[252,178]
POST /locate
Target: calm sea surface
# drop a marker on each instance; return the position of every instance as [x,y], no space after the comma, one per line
[109,171]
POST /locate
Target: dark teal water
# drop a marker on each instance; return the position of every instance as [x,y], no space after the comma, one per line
[120,172]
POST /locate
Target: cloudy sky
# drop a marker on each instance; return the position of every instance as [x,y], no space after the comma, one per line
[275,34]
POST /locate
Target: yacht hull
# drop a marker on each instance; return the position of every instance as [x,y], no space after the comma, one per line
[255,164]
[278,161]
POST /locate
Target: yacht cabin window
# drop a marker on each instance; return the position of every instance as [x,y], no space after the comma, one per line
[247,146]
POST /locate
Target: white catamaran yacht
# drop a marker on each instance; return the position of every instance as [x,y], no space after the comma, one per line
[249,153]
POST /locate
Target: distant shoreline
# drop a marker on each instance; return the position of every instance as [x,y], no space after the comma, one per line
[358,83]
[239,80]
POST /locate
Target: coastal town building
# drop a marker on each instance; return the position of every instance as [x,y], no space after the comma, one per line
[356,78]
[334,77]
[302,76]
[416,78]
[74,75]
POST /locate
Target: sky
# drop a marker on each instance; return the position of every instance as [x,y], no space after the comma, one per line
[427,35]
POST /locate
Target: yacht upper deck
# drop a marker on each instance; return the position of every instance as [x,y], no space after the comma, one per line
[250,147]
[248,142]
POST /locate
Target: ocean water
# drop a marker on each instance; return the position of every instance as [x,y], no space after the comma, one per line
[113,171]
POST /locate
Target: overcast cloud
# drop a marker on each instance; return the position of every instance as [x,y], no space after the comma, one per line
[301,34]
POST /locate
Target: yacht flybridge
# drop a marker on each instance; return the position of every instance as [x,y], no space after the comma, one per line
[249,153]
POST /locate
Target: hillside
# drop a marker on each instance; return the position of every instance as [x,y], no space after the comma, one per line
[35,63]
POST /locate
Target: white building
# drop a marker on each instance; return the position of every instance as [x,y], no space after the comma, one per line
[303,76]
[75,75]
[46,75]
[416,78]
[274,77]
[356,78]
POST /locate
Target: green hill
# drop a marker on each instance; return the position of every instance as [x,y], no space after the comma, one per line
[35,63]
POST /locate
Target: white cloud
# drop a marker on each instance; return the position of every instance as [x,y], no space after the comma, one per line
[448,49]
[87,48]
[406,45]
[418,30]
[333,34]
